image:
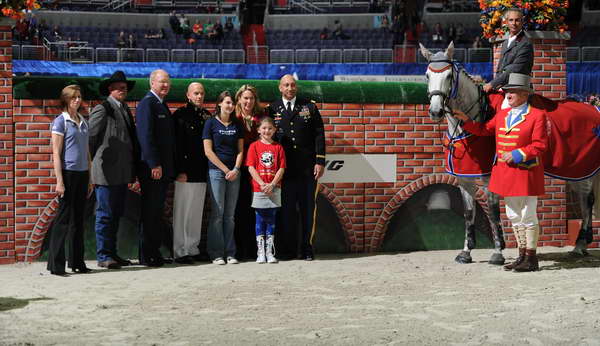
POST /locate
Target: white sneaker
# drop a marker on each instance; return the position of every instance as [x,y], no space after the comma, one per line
[219,261]
[232,260]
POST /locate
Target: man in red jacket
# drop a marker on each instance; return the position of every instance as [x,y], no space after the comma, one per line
[518,174]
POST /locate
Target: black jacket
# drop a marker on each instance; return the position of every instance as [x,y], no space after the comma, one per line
[190,158]
[518,58]
[302,136]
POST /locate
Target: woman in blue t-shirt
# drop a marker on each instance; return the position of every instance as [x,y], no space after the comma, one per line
[70,155]
[224,147]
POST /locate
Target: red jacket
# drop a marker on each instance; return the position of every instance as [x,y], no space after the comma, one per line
[527,140]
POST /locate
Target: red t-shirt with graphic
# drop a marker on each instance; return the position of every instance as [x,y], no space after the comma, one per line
[267,159]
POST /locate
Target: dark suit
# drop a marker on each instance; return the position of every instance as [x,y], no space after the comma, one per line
[518,58]
[191,160]
[302,136]
[155,130]
[114,150]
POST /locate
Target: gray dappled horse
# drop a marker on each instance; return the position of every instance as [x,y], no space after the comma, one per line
[450,87]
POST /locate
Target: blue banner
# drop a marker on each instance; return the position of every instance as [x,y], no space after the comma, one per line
[582,78]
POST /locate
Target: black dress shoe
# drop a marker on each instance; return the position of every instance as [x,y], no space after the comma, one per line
[199,258]
[155,262]
[81,270]
[122,262]
[166,260]
[184,260]
[63,274]
[109,264]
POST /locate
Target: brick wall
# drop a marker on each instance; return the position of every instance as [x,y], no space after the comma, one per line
[7,220]
[364,209]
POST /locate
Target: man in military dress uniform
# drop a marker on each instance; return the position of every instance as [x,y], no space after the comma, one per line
[300,131]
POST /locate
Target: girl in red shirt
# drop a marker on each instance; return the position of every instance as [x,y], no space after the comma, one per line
[266,164]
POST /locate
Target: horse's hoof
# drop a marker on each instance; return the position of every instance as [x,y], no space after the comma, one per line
[497,259]
[464,258]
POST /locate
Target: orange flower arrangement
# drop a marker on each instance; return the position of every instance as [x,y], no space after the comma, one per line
[15,8]
[538,14]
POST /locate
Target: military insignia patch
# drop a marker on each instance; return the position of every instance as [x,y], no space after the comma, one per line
[305,112]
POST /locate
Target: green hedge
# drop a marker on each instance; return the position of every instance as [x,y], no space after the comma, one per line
[37,87]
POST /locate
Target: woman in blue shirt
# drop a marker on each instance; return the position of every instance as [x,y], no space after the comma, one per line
[70,156]
[223,138]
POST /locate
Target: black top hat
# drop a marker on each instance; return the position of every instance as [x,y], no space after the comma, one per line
[118,76]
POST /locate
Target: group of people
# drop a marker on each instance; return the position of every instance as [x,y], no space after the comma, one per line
[521,139]
[273,156]
[30,29]
[124,41]
[180,25]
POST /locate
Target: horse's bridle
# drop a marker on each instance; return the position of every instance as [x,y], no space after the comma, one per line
[453,93]
[445,97]
[453,89]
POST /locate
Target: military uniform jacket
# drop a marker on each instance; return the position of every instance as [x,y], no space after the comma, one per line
[191,160]
[113,144]
[526,139]
[156,134]
[302,136]
[518,58]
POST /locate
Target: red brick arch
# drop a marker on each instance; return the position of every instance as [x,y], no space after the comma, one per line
[404,194]
[34,245]
[342,215]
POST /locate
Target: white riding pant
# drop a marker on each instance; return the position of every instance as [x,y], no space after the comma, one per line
[188,207]
[522,213]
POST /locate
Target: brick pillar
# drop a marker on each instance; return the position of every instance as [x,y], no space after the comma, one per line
[7,206]
[549,62]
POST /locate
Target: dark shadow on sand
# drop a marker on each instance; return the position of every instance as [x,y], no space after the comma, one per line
[9,303]
[565,260]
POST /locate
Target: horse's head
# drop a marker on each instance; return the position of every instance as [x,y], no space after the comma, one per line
[440,76]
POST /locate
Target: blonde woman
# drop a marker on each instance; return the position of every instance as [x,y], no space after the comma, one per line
[70,155]
[249,112]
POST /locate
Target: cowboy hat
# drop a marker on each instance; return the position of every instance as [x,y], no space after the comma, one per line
[118,76]
[518,81]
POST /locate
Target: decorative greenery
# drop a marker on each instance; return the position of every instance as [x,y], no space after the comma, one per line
[44,87]
[548,15]
[15,8]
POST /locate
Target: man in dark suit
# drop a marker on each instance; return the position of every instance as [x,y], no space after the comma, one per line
[114,151]
[517,51]
[300,131]
[155,130]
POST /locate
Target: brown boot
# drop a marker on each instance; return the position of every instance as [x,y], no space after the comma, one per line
[529,264]
[518,261]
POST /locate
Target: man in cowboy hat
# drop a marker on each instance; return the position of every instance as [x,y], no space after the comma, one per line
[114,150]
[518,174]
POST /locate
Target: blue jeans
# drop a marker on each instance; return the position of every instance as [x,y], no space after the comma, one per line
[110,204]
[223,198]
